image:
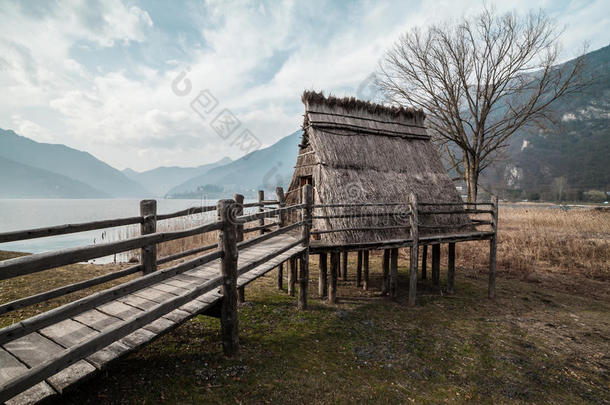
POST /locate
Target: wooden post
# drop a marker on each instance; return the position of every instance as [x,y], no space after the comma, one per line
[393,272]
[292,275]
[306,236]
[261,208]
[281,198]
[424,262]
[414,221]
[359,269]
[365,265]
[323,277]
[436,265]
[493,247]
[385,266]
[344,258]
[451,269]
[332,285]
[239,236]
[228,268]
[148,254]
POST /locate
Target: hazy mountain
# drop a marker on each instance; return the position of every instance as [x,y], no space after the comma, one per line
[262,169]
[68,162]
[160,180]
[575,149]
[23,181]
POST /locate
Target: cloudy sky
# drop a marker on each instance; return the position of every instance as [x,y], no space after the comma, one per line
[117,78]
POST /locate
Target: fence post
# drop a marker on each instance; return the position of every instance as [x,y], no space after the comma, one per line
[228,267]
[239,236]
[306,236]
[261,208]
[148,254]
[414,219]
[281,198]
[493,246]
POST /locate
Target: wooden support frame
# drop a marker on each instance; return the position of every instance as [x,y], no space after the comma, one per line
[228,267]
[148,253]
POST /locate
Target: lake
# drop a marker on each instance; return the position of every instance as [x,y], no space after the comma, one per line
[21,214]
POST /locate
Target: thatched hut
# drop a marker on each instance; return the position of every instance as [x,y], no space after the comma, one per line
[354,151]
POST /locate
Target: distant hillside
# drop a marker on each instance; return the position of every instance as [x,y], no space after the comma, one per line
[574,150]
[262,169]
[23,181]
[68,162]
[162,179]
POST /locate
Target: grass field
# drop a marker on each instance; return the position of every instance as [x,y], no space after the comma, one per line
[544,339]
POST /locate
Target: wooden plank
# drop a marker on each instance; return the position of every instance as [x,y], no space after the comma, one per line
[10,368]
[34,349]
[68,332]
[111,352]
[138,338]
[138,302]
[170,289]
[96,320]
[160,325]
[154,294]
[119,310]
[177,315]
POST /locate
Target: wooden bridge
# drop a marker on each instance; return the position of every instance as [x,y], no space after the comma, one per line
[45,354]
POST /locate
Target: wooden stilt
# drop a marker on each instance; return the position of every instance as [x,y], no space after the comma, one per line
[414,250]
[385,266]
[239,236]
[451,268]
[281,198]
[323,277]
[280,276]
[344,258]
[365,268]
[303,280]
[436,265]
[493,247]
[359,269]
[393,272]
[292,275]
[424,262]
[332,285]
[307,199]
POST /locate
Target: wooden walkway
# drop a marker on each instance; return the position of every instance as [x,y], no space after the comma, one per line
[33,349]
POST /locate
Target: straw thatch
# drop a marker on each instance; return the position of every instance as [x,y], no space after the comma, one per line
[359,152]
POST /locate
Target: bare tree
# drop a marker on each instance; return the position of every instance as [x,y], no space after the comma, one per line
[479,80]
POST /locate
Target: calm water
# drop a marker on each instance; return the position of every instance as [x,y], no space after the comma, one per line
[18,214]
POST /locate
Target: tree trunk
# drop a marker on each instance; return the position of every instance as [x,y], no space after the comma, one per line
[472,180]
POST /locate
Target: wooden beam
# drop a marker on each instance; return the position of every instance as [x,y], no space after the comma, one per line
[359,269]
[261,221]
[228,268]
[238,210]
[148,253]
[292,275]
[424,262]
[385,268]
[344,258]
[305,237]
[393,272]
[281,198]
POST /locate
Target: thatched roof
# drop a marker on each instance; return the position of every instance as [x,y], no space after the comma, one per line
[358,152]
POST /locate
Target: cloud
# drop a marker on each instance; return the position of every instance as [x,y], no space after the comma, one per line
[98,75]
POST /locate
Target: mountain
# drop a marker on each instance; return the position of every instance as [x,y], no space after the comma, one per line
[568,159]
[70,163]
[160,180]
[23,181]
[262,169]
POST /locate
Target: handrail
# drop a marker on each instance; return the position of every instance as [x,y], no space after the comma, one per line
[44,319]
[361,215]
[347,205]
[186,212]
[253,241]
[66,229]
[466,211]
[42,261]
[267,214]
[370,228]
[190,252]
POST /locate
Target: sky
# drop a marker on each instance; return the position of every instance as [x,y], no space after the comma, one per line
[142,84]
